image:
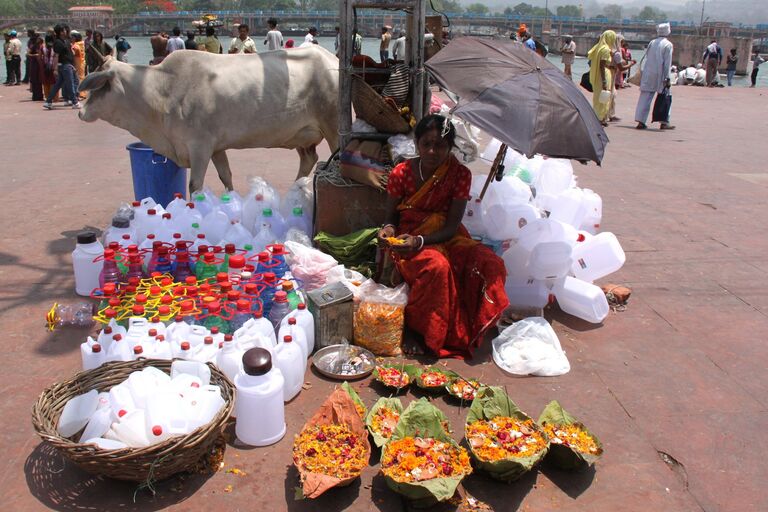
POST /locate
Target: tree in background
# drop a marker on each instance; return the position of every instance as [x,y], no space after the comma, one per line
[447,6]
[571,11]
[649,13]
[477,8]
[524,9]
[612,12]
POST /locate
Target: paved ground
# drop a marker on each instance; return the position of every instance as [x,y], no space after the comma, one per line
[673,386]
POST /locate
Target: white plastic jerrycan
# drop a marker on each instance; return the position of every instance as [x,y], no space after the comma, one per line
[140,385]
[76,413]
[120,401]
[597,257]
[550,260]
[194,368]
[92,356]
[230,359]
[292,329]
[527,293]
[106,444]
[166,415]
[582,300]
[292,364]
[306,321]
[259,406]
[98,424]
[593,206]
[86,270]
[131,429]
[203,404]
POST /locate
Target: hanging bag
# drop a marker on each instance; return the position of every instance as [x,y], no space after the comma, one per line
[638,76]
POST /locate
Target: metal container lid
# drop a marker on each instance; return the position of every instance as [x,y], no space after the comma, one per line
[329,295]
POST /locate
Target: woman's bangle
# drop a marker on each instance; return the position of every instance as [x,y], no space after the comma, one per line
[385,226]
[421,246]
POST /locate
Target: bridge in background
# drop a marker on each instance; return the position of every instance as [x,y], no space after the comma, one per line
[370,22]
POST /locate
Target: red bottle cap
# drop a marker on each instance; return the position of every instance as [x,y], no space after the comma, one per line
[251,289]
[151,236]
[258,314]
[222,276]
[109,289]
[126,237]
[292,321]
[225,287]
[192,291]
[243,305]
[208,340]
[270,278]
[151,211]
[201,236]
[236,261]
[229,248]
[177,236]
[152,332]
[167,299]
[184,345]
[157,430]
[233,295]
[288,339]
[263,257]
[187,306]
[166,281]
[178,319]
[137,350]
[160,337]
[214,306]
[302,306]
[107,329]
[178,195]
[155,290]
[96,348]
[121,413]
[281,297]
[228,337]
[214,330]
[135,203]
[133,281]
[111,313]
[166,215]
[278,249]
[209,257]
[140,299]
[190,280]
[138,310]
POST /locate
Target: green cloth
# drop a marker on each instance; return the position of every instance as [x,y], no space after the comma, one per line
[356,250]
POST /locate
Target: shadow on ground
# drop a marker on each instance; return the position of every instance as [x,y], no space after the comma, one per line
[60,485]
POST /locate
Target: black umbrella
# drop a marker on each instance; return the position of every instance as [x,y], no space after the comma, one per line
[513,94]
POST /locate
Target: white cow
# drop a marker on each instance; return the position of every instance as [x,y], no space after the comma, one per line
[196,105]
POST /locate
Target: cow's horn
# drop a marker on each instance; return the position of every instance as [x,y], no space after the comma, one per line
[96,80]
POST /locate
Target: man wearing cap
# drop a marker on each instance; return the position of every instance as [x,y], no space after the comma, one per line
[13,57]
[655,76]
[386,37]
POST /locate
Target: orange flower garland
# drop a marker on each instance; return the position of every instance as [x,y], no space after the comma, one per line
[573,437]
[503,437]
[331,450]
[415,459]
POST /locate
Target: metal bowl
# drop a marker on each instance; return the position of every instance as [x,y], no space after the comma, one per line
[344,362]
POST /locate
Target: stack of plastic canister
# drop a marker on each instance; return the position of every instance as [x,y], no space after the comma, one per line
[547,230]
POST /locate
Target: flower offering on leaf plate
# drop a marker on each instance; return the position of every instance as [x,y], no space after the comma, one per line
[393,375]
[464,389]
[332,450]
[573,436]
[503,437]
[415,459]
[572,445]
[382,419]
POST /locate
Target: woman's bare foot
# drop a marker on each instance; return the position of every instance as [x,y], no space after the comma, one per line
[413,347]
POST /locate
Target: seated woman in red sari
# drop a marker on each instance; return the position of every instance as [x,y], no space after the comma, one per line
[456,283]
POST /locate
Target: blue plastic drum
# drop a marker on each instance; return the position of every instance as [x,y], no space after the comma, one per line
[154,175]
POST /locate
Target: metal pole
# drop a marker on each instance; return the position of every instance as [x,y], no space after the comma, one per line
[345,78]
[703,4]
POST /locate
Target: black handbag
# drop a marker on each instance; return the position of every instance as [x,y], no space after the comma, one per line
[662,106]
[585,83]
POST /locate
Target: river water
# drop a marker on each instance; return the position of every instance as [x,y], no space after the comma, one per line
[141,53]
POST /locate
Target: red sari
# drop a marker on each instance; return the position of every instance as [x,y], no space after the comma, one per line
[457,287]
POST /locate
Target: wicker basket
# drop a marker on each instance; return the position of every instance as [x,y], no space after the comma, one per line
[152,463]
[371,107]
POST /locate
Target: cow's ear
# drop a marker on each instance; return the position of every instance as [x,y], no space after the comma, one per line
[96,80]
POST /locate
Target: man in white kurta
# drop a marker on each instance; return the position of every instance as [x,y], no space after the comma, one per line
[655,75]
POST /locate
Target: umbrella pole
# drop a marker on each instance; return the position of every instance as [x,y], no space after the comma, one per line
[496,168]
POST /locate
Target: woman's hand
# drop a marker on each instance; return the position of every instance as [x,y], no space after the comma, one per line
[407,243]
[387,231]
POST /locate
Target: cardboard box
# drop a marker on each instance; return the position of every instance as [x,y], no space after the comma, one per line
[343,206]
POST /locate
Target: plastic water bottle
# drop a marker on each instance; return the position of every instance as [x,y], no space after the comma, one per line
[207,351]
[86,270]
[215,225]
[214,318]
[231,206]
[235,268]
[275,221]
[278,255]
[292,364]
[135,266]
[202,204]
[237,235]
[293,297]
[207,268]
[183,269]
[259,406]
[109,272]
[268,293]
[279,309]
[298,220]
[150,224]
[242,315]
